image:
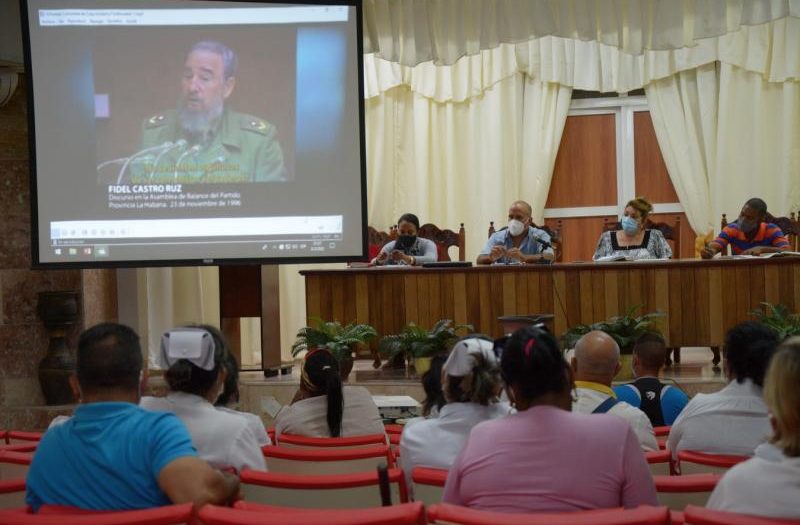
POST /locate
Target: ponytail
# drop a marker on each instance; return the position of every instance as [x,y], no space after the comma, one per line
[321,370]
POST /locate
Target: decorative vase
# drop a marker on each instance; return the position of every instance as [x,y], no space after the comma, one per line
[626,368]
[422,365]
[58,311]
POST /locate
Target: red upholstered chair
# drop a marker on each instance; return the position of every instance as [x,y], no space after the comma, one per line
[14,465]
[376,239]
[444,239]
[660,462]
[393,429]
[12,494]
[676,492]
[17,437]
[692,462]
[307,461]
[694,515]
[289,440]
[168,515]
[341,491]
[662,431]
[246,513]
[428,484]
[452,514]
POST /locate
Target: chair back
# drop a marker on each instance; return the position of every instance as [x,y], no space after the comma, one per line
[676,492]
[14,465]
[12,494]
[23,447]
[692,462]
[290,440]
[671,232]
[556,237]
[660,462]
[20,437]
[168,515]
[428,484]
[321,491]
[694,515]
[377,238]
[305,461]
[444,239]
[246,513]
[662,431]
[393,428]
[453,514]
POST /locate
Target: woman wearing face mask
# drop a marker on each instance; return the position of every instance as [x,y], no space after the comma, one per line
[408,249]
[633,241]
[194,360]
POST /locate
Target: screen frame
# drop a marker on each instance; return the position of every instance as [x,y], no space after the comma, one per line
[37,263]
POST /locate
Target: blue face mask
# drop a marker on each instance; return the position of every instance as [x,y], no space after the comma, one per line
[629,225]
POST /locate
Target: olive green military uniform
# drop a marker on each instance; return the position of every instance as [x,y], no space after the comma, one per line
[243,148]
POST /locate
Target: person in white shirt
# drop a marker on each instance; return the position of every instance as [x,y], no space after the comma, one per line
[471,384]
[230,396]
[193,358]
[734,420]
[323,408]
[769,484]
[595,363]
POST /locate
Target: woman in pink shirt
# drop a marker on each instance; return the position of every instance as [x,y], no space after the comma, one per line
[545,458]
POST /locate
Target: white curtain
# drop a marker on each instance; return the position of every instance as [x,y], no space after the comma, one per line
[410,32]
[684,112]
[170,297]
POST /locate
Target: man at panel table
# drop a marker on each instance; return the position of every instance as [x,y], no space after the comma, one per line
[520,242]
[749,235]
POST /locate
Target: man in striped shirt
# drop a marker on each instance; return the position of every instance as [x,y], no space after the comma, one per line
[749,235]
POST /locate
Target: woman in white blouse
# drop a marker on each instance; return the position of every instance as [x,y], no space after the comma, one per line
[471,385]
[322,407]
[769,485]
[195,372]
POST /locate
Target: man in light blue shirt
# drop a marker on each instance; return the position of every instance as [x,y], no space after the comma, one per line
[520,242]
[113,455]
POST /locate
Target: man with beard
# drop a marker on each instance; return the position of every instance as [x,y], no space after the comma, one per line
[750,234]
[204,141]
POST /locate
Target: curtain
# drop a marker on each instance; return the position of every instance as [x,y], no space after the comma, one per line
[684,112]
[410,32]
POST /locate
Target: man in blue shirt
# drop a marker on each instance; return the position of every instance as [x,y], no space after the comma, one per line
[520,242]
[661,402]
[113,455]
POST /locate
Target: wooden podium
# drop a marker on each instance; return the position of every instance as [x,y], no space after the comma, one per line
[252,291]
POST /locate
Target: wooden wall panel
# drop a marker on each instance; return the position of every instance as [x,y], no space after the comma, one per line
[585,172]
[579,236]
[652,177]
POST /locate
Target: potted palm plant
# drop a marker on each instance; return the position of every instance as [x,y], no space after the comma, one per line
[625,329]
[417,343]
[779,318]
[340,340]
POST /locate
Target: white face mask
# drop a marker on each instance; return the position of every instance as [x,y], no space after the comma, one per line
[515,227]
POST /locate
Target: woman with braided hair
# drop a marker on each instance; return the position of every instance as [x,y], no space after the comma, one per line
[322,407]
[545,458]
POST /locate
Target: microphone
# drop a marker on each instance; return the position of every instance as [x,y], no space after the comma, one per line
[139,153]
[178,144]
[191,151]
[542,241]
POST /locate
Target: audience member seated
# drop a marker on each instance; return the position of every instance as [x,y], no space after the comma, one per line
[595,363]
[749,234]
[432,386]
[471,384]
[660,402]
[114,455]
[771,487]
[409,249]
[735,419]
[520,242]
[543,458]
[633,241]
[193,358]
[323,408]
[230,396]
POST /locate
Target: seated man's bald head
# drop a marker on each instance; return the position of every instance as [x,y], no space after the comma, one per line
[596,358]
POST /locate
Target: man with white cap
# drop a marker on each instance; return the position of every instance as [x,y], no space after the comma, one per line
[471,384]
